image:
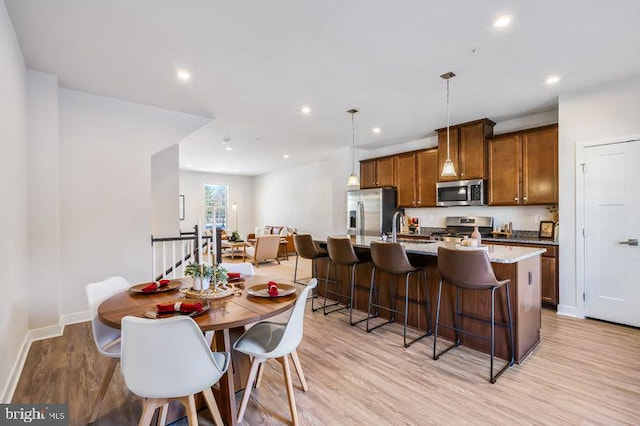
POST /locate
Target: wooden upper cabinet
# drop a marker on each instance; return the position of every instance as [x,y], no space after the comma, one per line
[540,166]
[427,175]
[468,149]
[417,174]
[523,167]
[377,172]
[406,180]
[504,170]
[386,171]
[368,174]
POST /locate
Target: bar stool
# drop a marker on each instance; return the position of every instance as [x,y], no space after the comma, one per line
[341,252]
[307,249]
[471,270]
[392,259]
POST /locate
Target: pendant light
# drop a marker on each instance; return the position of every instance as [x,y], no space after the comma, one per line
[353,178]
[448,170]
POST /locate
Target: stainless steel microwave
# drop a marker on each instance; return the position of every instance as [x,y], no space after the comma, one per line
[461,193]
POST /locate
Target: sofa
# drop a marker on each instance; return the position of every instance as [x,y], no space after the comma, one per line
[286,232]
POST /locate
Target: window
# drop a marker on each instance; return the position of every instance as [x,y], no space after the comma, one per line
[215,206]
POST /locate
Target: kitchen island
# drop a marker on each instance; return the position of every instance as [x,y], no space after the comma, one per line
[519,264]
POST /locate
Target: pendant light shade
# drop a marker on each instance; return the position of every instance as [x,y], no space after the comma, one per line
[448,169]
[353,180]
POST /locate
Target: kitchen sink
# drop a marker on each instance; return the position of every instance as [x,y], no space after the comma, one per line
[415,241]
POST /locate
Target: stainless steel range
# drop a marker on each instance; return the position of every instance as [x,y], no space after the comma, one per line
[459,227]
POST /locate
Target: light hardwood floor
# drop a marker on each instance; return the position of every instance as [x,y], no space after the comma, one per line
[583,372]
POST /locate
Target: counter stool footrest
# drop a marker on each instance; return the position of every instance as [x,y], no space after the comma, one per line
[370,329]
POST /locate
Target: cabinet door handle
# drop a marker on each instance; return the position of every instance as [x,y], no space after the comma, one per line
[413,203]
[419,202]
[630,241]
[515,199]
[525,199]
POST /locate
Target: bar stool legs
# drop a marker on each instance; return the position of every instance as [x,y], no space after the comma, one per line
[392,309]
[352,285]
[509,325]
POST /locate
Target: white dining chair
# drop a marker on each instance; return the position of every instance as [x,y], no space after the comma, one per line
[270,340]
[167,359]
[242,268]
[107,339]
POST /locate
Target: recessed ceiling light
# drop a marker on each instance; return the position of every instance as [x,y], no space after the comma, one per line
[229,148]
[285,156]
[552,79]
[502,21]
[183,75]
[189,165]
[236,170]
[377,130]
[305,110]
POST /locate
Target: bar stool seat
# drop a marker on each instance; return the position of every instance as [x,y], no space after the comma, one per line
[392,259]
[341,252]
[306,248]
[471,270]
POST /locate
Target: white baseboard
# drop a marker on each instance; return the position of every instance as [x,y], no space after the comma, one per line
[30,337]
[12,382]
[74,318]
[570,311]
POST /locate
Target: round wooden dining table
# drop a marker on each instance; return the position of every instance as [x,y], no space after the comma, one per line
[226,316]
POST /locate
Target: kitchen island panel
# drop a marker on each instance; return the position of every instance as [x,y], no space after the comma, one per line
[525,299]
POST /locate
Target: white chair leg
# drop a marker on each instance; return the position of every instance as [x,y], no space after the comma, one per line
[247,389]
[298,367]
[287,379]
[104,386]
[213,407]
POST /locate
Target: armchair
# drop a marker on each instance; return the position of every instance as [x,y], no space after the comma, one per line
[266,248]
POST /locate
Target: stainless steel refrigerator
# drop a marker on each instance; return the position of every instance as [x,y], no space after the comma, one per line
[369,211]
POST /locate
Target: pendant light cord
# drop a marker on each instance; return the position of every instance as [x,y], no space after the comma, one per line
[448,154]
[353,143]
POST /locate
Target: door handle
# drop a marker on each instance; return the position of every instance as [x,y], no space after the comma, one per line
[630,241]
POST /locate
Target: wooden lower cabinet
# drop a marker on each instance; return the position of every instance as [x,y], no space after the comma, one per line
[549,267]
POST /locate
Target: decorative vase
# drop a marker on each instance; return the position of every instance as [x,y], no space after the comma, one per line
[476,235]
[201,283]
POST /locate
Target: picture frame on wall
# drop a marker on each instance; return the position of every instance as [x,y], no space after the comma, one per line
[547,230]
[181,198]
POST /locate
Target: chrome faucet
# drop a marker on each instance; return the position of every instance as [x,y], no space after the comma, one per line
[394,226]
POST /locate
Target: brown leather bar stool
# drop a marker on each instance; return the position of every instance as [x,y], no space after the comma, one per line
[341,252]
[306,248]
[471,270]
[392,259]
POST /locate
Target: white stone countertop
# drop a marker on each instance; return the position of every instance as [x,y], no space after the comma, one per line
[497,253]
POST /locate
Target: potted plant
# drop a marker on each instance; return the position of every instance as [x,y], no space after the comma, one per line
[203,273]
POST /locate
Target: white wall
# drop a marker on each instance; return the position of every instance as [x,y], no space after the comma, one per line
[165,188]
[601,112]
[14,213]
[311,198]
[44,199]
[105,174]
[240,190]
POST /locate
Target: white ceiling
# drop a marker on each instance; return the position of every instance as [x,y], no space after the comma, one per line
[254,64]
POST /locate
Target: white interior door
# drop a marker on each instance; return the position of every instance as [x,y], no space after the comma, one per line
[612,230]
